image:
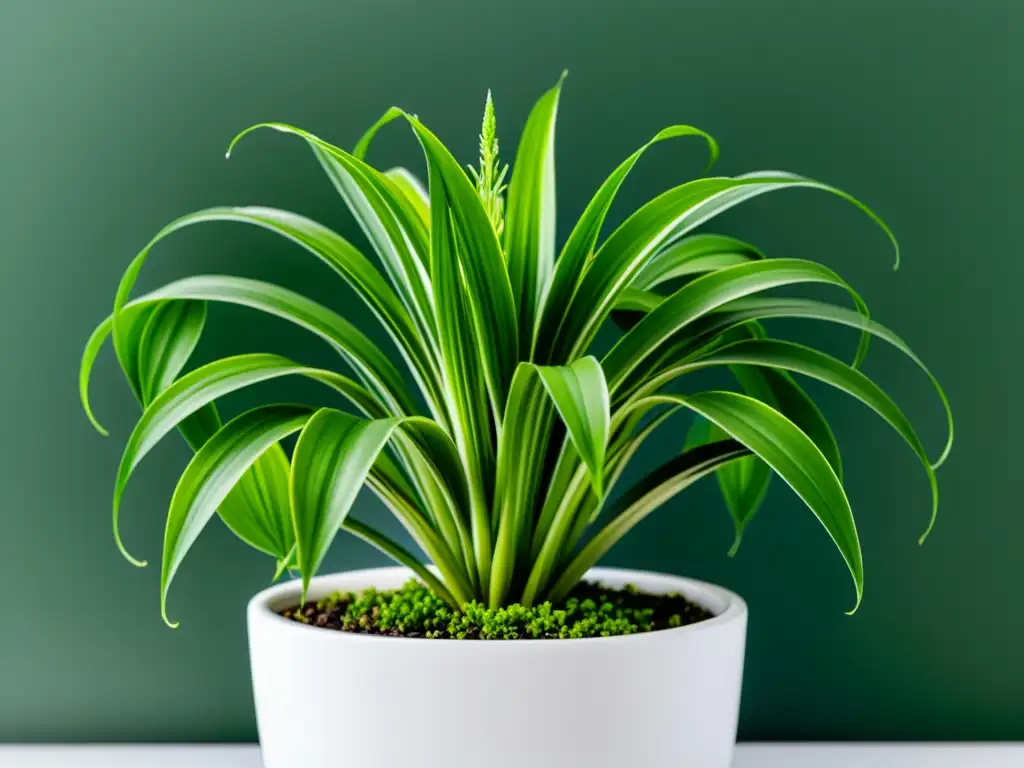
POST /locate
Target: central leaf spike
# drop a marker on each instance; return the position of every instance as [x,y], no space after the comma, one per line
[490,181]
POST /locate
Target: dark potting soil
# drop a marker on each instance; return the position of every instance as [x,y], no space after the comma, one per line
[414,611]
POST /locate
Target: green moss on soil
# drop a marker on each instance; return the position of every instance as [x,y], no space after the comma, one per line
[414,611]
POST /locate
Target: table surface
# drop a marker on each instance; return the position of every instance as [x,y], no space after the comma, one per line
[747,756]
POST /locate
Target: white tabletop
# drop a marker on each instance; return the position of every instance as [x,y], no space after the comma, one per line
[748,756]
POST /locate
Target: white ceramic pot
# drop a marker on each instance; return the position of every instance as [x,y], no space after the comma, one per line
[667,698]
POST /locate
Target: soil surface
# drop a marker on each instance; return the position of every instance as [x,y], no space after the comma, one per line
[414,611]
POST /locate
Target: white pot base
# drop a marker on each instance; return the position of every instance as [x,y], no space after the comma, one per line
[666,698]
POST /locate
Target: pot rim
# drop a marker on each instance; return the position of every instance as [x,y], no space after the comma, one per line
[727,606]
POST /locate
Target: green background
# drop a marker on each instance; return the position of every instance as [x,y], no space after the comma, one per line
[114,120]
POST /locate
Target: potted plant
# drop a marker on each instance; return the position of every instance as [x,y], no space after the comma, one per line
[505,467]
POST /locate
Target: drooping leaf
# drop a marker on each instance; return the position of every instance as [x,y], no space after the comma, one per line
[257,508]
[787,356]
[660,222]
[751,308]
[202,387]
[392,227]
[370,364]
[743,483]
[580,395]
[792,455]
[333,456]
[694,255]
[213,472]
[170,330]
[170,336]
[340,256]
[703,296]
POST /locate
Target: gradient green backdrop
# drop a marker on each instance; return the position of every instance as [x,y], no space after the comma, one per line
[114,117]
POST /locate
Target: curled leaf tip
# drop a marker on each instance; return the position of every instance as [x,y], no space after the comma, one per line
[735,544]
[860,596]
[95,422]
[121,547]
[167,621]
[243,134]
[128,556]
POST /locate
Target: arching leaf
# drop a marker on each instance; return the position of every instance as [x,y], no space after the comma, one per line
[212,474]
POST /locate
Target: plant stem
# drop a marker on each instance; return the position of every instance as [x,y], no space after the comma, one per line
[396,552]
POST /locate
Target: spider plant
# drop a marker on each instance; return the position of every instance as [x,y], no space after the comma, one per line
[504,469]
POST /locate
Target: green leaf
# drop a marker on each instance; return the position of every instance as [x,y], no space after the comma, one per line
[703,296]
[743,483]
[787,356]
[172,330]
[664,220]
[793,456]
[213,472]
[363,145]
[469,410]
[530,222]
[341,257]
[392,227]
[201,387]
[580,395]
[169,338]
[257,509]
[580,246]
[128,348]
[787,397]
[428,448]
[370,364]
[653,491]
[414,193]
[571,506]
[758,308]
[333,456]
[692,256]
[454,199]
[165,346]
[522,448]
